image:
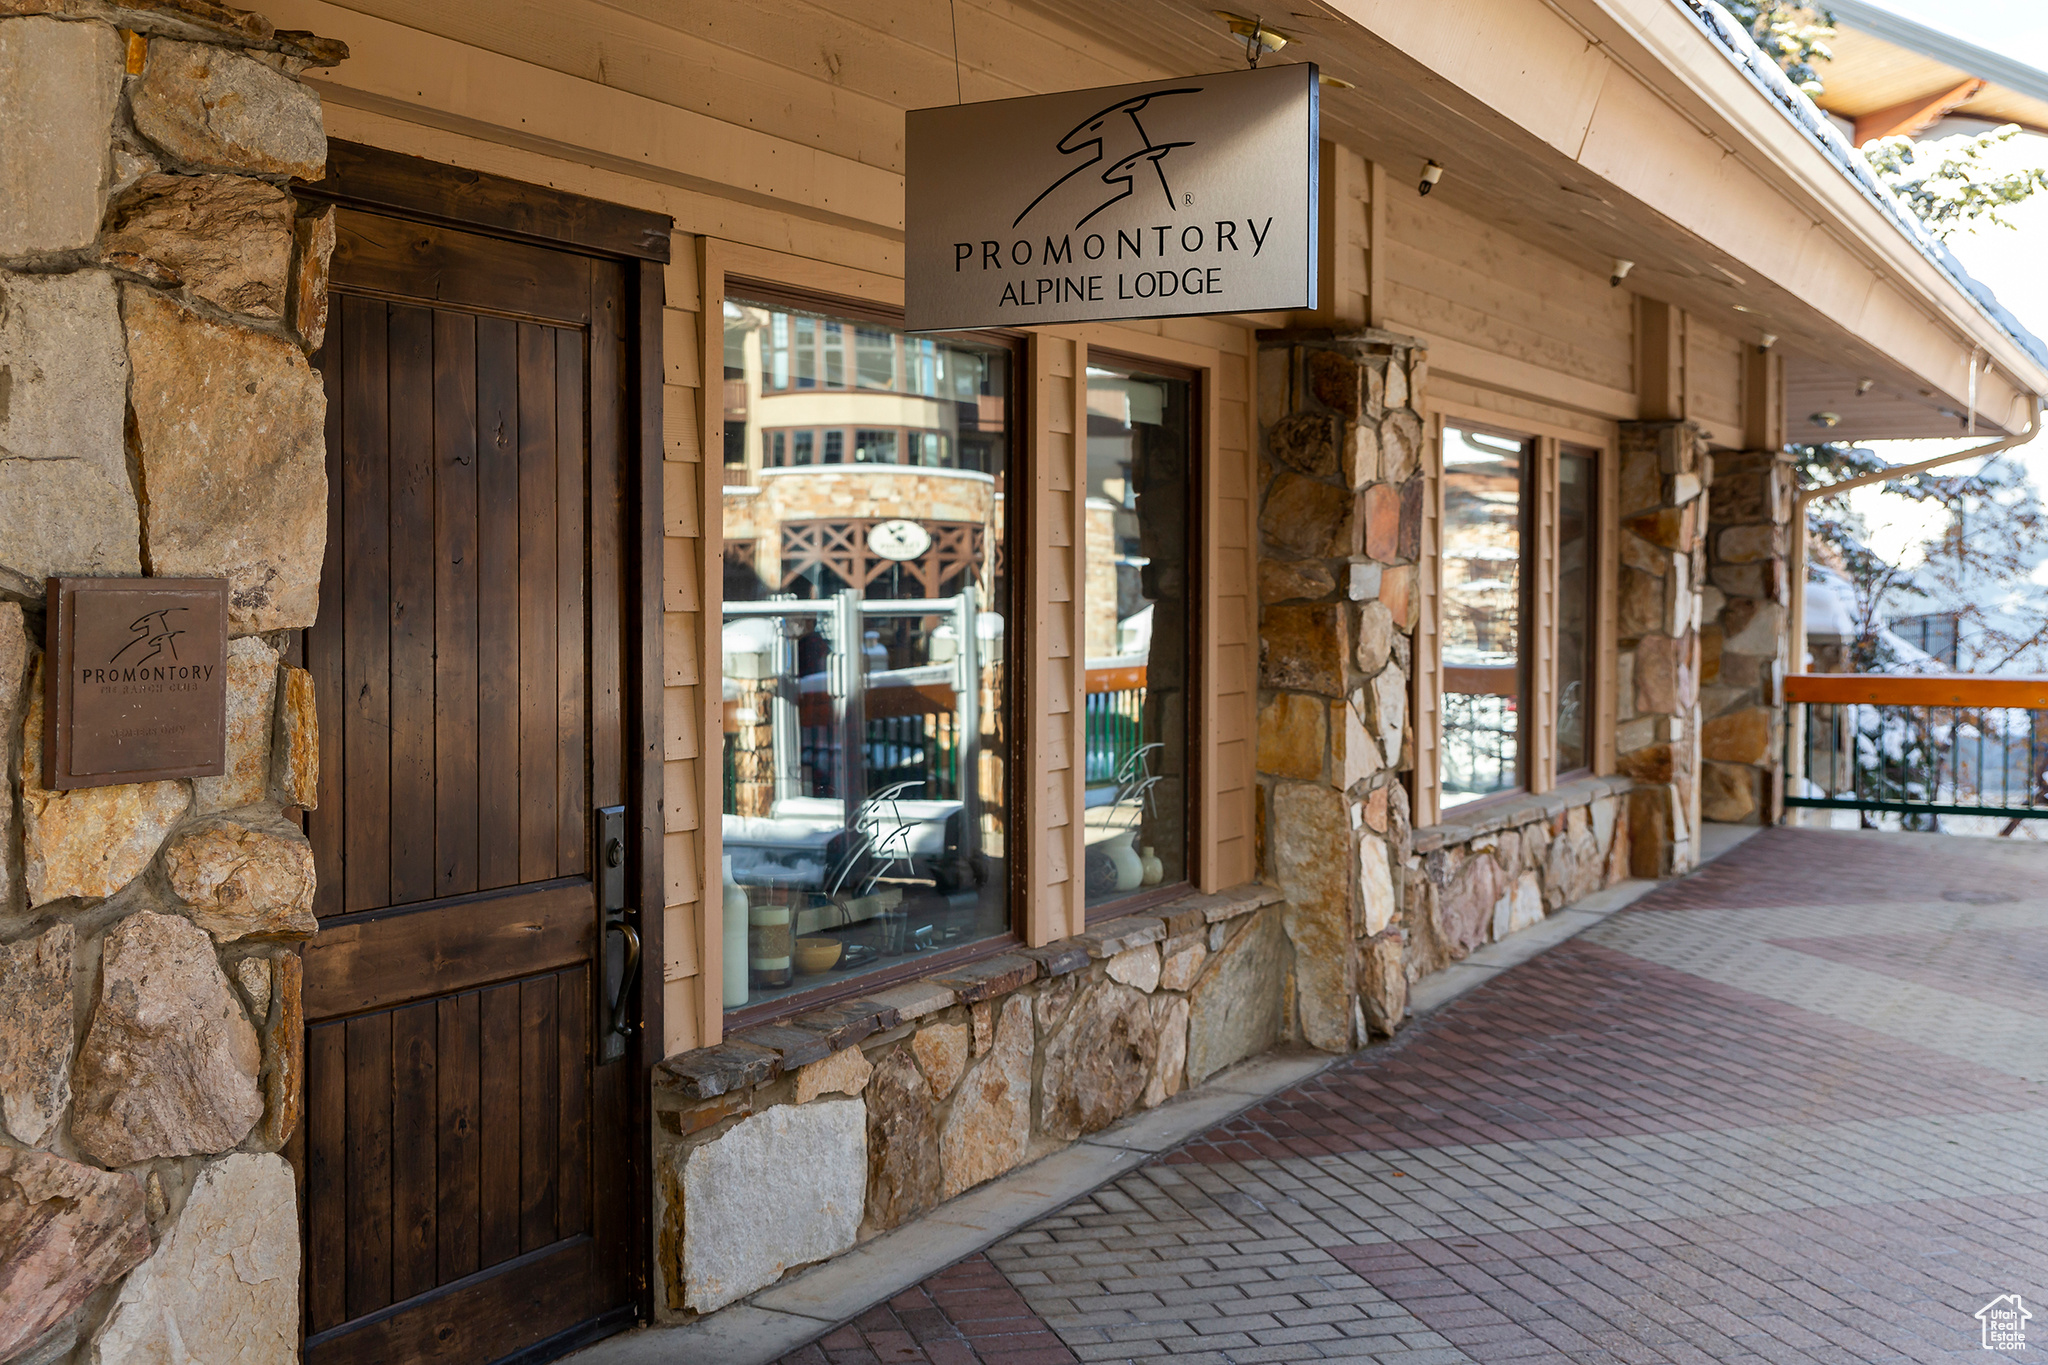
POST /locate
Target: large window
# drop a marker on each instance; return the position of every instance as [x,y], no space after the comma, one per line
[1140,529]
[867,701]
[1484,613]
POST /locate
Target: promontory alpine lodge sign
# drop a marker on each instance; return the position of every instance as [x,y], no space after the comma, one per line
[1166,198]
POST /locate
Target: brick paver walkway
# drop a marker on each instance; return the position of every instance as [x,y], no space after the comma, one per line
[1791,1109]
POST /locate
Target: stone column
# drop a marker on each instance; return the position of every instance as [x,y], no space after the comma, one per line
[1745,638]
[1340,527]
[1665,471]
[160,290]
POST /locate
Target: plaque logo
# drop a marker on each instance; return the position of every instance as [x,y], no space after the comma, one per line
[1096,131]
[152,628]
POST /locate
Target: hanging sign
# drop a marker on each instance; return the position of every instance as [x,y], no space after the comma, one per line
[1133,201]
[136,684]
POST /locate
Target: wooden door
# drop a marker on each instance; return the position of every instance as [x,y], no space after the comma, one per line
[467,1161]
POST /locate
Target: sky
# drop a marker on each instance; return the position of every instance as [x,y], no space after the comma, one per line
[2014,262]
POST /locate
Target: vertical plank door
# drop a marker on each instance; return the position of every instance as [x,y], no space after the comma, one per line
[466,1159]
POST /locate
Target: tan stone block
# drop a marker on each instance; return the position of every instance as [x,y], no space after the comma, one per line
[1310,831]
[224,1285]
[1748,544]
[845,1072]
[1382,512]
[1098,1061]
[252,717]
[1304,648]
[1659,659]
[1397,590]
[1234,1010]
[66,1230]
[1383,983]
[1136,967]
[1710,654]
[313,249]
[1284,580]
[295,748]
[1741,737]
[1376,811]
[67,501]
[1292,736]
[15,653]
[211,107]
[1169,1071]
[170,1063]
[941,1049]
[1181,962]
[226,238]
[229,427]
[92,841]
[60,86]
[284,1053]
[1362,455]
[243,880]
[1642,603]
[1653,763]
[1638,553]
[1728,792]
[903,1143]
[1355,753]
[1400,443]
[1306,517]
[1375,885]
[989,1125]
[35,1033]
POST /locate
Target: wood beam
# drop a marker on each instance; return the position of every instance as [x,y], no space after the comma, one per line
[1915,116]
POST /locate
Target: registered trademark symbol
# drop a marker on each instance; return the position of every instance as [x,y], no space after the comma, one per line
[1187,200]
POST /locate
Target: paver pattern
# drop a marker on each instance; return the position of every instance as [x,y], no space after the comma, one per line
[1793,1108]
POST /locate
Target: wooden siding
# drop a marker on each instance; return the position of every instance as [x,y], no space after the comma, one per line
[1053,725]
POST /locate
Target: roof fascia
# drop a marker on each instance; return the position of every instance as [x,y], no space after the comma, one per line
[1967,58]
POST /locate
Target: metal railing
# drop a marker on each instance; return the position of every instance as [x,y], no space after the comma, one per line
[1918,746]
[1112,722]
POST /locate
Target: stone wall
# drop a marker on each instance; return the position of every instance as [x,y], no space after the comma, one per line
[1665,471]
[160,290]
[789,1143]
[1745,638]
[1340,534]
[1500,869]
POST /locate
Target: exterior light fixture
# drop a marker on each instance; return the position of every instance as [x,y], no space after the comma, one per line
[1258,39]
[1431,173]
[1864,386]
[1621,269]
[1825,419]
[1766,341]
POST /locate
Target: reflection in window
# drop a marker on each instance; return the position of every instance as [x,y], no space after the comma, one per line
[1482,608]
[867,726]
[1139,528]
[1575,607]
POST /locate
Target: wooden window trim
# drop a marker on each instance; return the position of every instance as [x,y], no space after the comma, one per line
[1597,609]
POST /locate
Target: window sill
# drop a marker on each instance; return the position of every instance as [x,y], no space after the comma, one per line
[762,1050]
[1488,817]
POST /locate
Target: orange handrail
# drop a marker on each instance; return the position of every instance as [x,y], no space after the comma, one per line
[1916,689]
[1128,678]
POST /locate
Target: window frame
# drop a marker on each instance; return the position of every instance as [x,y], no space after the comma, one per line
[1547,439]
[1017,629]
[1196,814]
[1596,544]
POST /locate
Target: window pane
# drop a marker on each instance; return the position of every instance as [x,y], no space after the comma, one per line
[867,723]
[1138,653]
[1482,614]
[1576,508]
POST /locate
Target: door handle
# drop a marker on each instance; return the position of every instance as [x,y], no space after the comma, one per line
[617,999]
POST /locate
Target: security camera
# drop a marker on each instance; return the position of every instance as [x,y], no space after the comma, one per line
[1431,173]
[1621,269]
[1766,341]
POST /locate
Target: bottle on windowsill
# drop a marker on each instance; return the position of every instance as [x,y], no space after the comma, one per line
[769,943]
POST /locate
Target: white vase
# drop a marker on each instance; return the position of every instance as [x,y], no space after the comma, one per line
[1130,868]
[735,939]
[1155,870]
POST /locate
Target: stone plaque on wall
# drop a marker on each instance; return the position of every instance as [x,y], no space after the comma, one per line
[136,687]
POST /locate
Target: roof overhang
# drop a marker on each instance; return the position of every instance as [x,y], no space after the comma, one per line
[1620,128]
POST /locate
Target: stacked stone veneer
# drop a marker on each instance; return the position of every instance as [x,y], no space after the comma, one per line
[1665,471]
[1340,537]
[789,1143]
[1745,638]
[159,292]
[1371,905]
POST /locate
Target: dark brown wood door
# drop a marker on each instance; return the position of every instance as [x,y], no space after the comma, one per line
[466,1160]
